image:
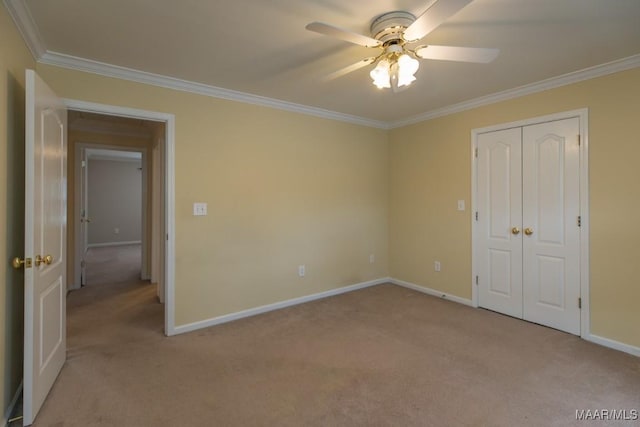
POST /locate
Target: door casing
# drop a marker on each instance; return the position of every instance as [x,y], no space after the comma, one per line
[582,114]
[169,191]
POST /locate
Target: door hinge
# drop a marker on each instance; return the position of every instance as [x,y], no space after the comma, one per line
[82,263]
[578,140]
[476,280]
[476,153]
[476,215]
[579,220]
[579,302]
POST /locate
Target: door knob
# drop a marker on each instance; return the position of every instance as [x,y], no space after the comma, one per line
[85,219]
[47,259]
[528,231]
[18,262]
[515,230]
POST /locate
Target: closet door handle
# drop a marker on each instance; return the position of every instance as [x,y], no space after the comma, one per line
[515,230]
[528,231]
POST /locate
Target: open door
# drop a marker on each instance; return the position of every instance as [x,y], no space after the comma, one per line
[84,214]
[45,243]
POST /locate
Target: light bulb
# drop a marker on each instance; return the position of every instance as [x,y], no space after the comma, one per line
[380,74]
[407,67]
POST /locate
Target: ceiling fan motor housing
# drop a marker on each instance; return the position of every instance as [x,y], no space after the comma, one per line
[389,27]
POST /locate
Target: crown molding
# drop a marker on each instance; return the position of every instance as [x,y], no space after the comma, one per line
[108,70]
[21,16]
[551,83]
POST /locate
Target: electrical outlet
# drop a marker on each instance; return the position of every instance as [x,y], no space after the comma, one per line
[372,259]
[116,230]
[301,270]
[436,266]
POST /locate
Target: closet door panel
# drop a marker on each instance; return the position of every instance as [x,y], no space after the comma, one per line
[499,221]
[551,245]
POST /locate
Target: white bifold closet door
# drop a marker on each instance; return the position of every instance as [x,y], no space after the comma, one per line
[528,240]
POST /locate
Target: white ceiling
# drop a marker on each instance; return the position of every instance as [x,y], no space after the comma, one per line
[262,48]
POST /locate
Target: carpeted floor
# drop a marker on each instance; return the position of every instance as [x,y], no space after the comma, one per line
[113,264]
[381,356]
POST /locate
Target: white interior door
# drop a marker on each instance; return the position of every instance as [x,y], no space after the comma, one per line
[527,235]
[84,214]
[45,242]
[551,206]
[499,235]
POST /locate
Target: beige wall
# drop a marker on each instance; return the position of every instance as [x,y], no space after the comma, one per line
[283,189]
[431,169]
[115,201]
[14,58]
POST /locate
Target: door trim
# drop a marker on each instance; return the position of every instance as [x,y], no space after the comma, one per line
[144,242]
[169,190]
[583,116]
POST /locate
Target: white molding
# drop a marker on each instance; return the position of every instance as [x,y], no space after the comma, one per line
[432,292]
[583,115]
[169,196]
[27,27]
[616,345]
[102,245]
[189,327]
[12,405]
[551,83]
[108,70]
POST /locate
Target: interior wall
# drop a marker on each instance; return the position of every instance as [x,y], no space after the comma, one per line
[14,59]
[115,201]
[283,190]
[431,170]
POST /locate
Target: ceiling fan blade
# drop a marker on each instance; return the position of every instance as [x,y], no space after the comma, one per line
[351,68]
[346,35]
[454,53]
[437,12]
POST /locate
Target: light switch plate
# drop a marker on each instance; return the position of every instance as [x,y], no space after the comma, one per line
[460,205]
[199,209]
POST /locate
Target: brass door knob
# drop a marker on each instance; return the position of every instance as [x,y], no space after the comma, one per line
[47,259]
[18,262]
[528,231]
[515,230]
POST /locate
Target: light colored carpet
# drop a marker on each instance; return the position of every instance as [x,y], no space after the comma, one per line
[113,264]
[381,356]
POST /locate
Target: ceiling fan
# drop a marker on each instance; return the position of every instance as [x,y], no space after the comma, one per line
[393,33]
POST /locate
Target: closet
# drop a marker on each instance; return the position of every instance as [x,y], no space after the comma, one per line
[527,224]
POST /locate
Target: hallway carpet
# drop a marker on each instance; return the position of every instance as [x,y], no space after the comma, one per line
[113,264]
[381,356]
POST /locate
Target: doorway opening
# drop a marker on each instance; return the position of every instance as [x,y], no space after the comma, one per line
[120,199]
[113,213]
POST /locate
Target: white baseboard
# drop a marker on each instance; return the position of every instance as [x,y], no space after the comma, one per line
[275,306]
[432,292]
[12,406]
[100,245]
[616,345]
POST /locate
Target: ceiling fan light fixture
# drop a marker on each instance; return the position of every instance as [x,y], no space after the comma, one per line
[407,67]
[381,74]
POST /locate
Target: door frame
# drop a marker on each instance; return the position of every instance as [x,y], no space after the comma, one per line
[78,243]
[169,191]
[583,116]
